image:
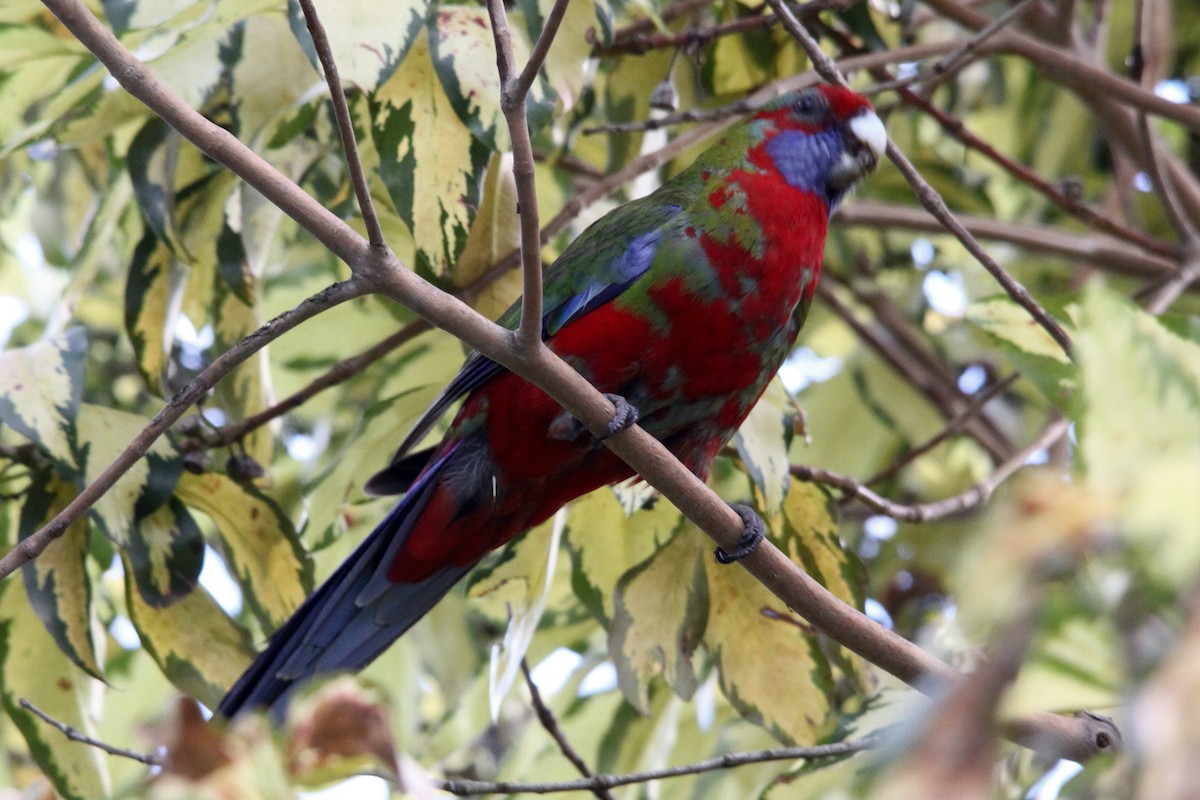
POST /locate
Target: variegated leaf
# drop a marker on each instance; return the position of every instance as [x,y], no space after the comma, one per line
[40,386]
[762,442]
[750,648]
[368,42]
[200,649]
[495,232]
[464,58]
[166,546]
[258,541]
[32,667]
[430,162]
[149,313]
[806,530]
[660,608]
[605,543]
[57,582]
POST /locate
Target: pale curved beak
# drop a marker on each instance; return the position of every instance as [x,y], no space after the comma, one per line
[868,141]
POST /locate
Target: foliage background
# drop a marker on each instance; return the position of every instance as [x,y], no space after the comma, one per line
[128,261]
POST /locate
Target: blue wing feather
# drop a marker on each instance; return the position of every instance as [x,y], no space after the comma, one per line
[574,287]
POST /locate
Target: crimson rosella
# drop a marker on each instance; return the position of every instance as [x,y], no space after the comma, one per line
[681,306]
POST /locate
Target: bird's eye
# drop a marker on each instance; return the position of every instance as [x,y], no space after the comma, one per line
[806,104]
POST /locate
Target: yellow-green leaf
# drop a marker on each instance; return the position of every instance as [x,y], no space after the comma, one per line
[750,649]
[148,308]
[604,543]
[806,530]
[40,386]
[57,582]
[34,668]
[259,543]
[198,648]
[495,232]
[464,57]
[365,48]
[660,608]
[762,442]
[430,162]
[1140,429]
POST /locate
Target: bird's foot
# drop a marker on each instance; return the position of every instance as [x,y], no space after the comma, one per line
[567,428]
[625,416]
[752,533]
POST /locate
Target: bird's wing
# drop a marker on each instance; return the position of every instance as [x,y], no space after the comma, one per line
[604,261]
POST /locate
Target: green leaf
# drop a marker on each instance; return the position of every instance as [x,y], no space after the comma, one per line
[200,650]
[259,543]
[268,71]
[366,52]
[166,553]
[40,386]
[430,162]
[57,582]
[762,442]
[1034,352]
[660,608]
[32,667]
[1140,428]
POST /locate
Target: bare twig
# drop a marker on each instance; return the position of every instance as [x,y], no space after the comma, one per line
[512,103]
[934,203]
[1159,296]
[925,512]
[76,735]
[29,548]
[546,717]
[929,197]
[953,427]
[335,375]
[949,65]
[341,112]
[1099,252]
[818,752]
[540,48]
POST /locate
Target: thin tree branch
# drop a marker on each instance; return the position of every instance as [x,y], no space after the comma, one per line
[540,48]
[728,761]
[339,372]
[928,196]
[953,62]
[380,270]
[1099,252]
[546,717]
[76,735]
[341,112]
[31,547]
[512,103]
[953,427]
[926,512]
[1159,296]
[934,203]
[1084,212]
[853,63]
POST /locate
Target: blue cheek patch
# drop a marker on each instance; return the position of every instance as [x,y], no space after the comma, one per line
[804,159]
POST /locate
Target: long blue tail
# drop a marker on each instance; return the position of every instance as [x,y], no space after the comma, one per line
[352,617]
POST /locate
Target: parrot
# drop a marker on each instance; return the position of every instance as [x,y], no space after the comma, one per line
[680,306]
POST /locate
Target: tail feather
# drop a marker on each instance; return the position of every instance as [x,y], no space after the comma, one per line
[352,617]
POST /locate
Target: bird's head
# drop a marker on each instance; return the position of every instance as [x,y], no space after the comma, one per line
[821,139]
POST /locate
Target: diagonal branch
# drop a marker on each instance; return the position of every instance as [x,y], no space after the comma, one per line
[32,546]
[341,112]
[928,196]
[546,717]
[540,48]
